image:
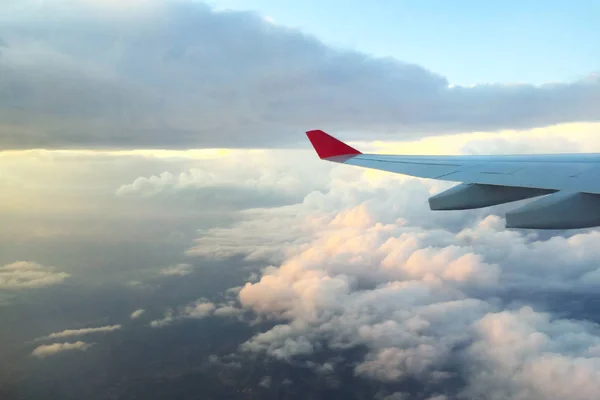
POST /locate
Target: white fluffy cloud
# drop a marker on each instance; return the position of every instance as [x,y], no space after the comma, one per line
[238,180]
[525,354]
[26,274]
[48,350]
[178,74]
[364,263]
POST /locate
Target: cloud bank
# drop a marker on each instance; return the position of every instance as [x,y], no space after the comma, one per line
[176,74]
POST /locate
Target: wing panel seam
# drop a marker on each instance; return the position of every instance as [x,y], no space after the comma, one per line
[408,162]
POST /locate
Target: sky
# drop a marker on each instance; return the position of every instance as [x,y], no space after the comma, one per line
[469,41]
[167,231]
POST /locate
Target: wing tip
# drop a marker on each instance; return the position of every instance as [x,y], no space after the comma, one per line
[327,146]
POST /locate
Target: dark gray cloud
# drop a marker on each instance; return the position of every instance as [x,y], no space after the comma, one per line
[175,74]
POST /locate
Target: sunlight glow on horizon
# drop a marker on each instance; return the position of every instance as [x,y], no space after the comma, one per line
[584,134]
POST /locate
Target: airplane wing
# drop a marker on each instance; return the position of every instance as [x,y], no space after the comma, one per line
[568,184]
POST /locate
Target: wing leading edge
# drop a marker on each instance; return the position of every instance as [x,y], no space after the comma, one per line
[567,182]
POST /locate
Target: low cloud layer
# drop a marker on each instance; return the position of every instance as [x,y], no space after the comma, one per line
[167,74]
[433,296]
[27,275]
[360,262]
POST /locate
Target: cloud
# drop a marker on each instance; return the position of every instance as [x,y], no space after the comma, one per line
[26,274]
[364,198]
[137,313]
[167,319]
[362,264]
[48,350]
[83,331]
[526,354]
[177,270]
[265,382]
[130,79]
[227,311]
[199,186]
[198,309]
[239,180]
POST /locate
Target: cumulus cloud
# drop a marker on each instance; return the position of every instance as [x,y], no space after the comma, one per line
[130,78]
[239,180]
[137,313]
[83,331]
[365,197]
[27,274]
[202,187]
[524,354]
[48,350]
[317,286]
[363,264]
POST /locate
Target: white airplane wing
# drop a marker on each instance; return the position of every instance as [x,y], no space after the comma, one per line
[568,184]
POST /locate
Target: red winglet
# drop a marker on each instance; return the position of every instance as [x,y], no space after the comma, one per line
[327,146]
